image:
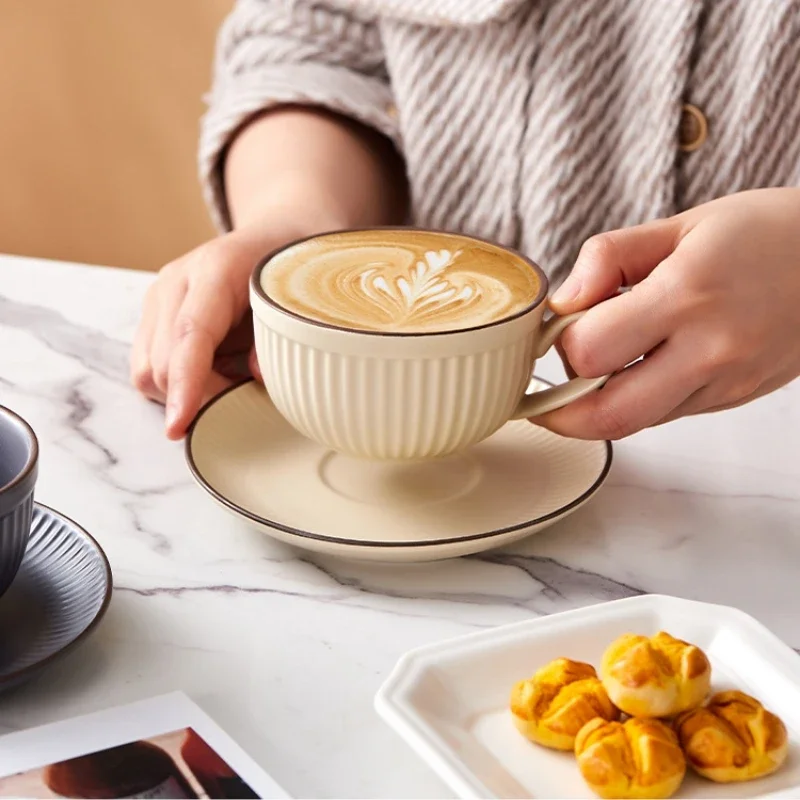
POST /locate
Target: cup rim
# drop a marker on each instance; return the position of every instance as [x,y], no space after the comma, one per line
[33,456]
[258,290]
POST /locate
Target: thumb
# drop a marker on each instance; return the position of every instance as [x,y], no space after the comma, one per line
[611,260]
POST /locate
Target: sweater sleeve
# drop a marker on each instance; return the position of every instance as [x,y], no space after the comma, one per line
[277,52]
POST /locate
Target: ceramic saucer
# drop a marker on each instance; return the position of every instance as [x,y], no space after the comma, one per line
[518,481]
[57,598]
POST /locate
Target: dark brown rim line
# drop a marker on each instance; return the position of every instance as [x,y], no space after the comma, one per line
[33,456]
[321,537]
[255,284]
[11,677]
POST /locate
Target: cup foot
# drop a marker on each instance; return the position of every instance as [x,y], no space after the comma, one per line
[405,483]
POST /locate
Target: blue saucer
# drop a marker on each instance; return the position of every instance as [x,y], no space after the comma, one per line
[58,597]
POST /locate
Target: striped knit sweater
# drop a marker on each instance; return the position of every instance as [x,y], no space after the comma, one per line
[536,123]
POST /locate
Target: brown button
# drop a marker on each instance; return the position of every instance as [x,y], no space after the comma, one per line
[693,130]
[391,110]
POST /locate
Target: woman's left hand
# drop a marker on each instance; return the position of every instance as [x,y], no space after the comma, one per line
[714,308]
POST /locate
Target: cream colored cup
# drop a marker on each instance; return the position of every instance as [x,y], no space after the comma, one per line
[406,396]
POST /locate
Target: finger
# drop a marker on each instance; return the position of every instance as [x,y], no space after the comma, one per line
[170,301]
[141,371]
[568,368]
[710,399]
[640,396]
[203,321]
[614,259]
[239,339]
[214,385]
[618,331]
[255,369]
[235,366]
[189,373]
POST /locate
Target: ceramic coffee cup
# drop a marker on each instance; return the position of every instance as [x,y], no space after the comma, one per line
[401,343]
[19,461]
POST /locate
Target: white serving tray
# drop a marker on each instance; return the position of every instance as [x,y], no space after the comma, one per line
[449,701]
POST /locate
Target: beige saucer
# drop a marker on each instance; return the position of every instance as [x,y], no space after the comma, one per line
[516,482]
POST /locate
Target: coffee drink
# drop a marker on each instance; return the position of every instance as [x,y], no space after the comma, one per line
[400,281]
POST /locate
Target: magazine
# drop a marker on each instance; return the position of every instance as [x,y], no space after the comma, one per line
[163,747]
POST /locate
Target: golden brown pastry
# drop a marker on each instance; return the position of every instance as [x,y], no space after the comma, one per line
[733,738]
[639,758]
[655,677]
[558,701]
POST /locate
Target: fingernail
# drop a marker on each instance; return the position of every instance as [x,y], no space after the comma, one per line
[568,291]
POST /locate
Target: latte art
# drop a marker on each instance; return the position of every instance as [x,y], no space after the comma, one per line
[425,293]
[396,281]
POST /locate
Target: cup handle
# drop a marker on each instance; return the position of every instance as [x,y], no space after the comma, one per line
[532,405]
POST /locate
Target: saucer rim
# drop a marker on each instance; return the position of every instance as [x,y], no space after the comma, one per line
[376,544]
[12,678]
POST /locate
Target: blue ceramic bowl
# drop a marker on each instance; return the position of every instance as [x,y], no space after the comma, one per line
[19,466]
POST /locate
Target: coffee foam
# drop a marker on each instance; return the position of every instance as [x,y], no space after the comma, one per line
[400,281]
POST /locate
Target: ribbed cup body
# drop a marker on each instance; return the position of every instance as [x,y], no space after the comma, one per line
[394,397]
[15,530]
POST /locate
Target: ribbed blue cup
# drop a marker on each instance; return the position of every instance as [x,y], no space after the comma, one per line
[19,467]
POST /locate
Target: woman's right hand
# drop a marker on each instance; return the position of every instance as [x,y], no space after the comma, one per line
[290,173]
[195,334]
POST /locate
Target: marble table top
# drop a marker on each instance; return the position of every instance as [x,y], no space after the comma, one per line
[286,649]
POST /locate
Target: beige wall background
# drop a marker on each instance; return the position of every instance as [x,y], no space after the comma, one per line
[101,101]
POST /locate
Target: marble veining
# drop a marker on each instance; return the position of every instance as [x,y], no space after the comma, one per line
[271,640]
